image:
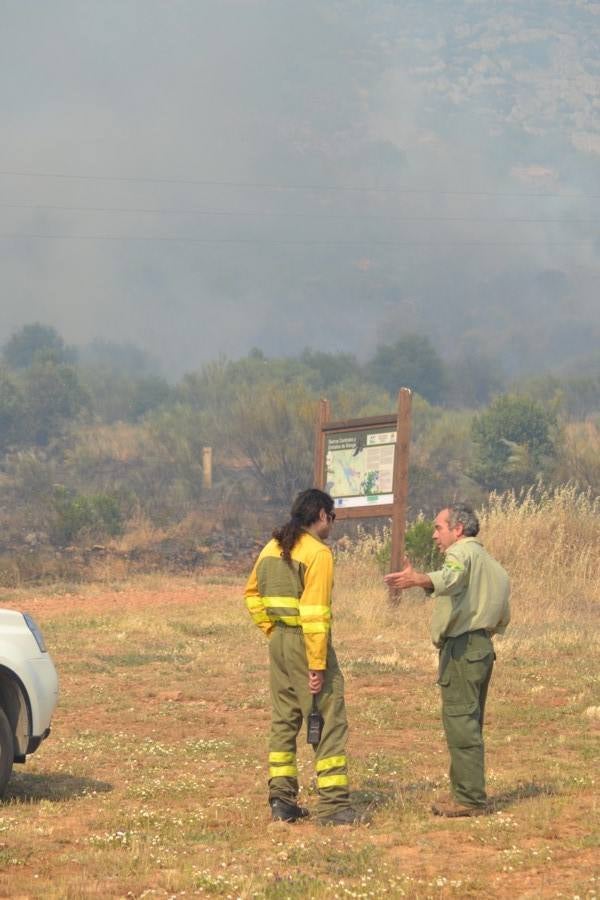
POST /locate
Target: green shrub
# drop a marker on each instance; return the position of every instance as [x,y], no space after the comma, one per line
[514,443]
[418,546]
[96,514]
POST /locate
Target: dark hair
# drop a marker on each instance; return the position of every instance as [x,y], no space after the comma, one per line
[304,512]
[463,514]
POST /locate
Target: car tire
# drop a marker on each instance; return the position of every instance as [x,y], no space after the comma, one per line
[7,751]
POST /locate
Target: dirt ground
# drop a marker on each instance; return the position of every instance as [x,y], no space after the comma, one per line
[152,782]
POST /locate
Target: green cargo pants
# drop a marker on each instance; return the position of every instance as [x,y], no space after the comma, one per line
[291,703]
[466,664]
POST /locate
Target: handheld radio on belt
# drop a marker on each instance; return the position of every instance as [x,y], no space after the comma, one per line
[314,724]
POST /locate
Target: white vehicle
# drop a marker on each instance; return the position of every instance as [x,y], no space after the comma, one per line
[28,690]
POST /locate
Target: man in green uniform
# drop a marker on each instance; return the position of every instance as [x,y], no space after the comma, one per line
[471,603]
[288,596]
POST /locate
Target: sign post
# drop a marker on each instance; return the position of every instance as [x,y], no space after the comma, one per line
[322,419]
[401,452]
[363,465]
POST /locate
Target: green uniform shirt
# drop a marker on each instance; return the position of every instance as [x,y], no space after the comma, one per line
[471,591]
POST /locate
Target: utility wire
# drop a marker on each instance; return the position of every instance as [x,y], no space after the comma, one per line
[282,241]
[298,187]
[299,215]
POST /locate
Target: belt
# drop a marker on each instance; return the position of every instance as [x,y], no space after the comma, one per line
[484,632]
[279,624]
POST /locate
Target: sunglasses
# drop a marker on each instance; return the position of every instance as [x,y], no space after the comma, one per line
[330,517]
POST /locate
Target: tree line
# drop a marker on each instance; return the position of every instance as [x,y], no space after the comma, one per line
[94,438]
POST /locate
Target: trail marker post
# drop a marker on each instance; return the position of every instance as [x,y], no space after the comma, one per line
[207,479]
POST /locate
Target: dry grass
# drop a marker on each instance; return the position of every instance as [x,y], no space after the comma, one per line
[580,457]
[550,543]
[153,781]
[120,441]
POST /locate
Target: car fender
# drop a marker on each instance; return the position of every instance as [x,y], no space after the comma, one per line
[14,700]
[38,680]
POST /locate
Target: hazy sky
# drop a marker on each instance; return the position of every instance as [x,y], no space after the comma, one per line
[206,176]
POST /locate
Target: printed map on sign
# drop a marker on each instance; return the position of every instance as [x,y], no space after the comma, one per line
[360,467]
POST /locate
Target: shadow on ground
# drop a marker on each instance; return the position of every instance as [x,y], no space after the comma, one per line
[525,791]
[25,788]
[368,799]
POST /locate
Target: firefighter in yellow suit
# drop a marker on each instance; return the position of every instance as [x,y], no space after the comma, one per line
[288,596]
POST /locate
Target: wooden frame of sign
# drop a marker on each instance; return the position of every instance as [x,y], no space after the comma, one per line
[384,489]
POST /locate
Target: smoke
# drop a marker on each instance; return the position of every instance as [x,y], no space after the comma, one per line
[283,175]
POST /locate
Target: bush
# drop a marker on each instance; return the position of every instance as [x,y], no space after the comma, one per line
[52,398]
[11,410]
[514,443]
[36,341]
[411,362]
[97,514]
[418,546]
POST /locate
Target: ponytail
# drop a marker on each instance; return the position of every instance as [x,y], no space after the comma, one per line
[304,513]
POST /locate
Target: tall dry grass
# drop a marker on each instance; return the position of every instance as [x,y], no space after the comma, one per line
[548,541]
[364,611]
[359,591]
[580,454]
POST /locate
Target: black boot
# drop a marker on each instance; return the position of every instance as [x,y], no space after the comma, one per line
[282,811]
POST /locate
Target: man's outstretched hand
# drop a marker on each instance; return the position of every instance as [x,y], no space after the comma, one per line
[408,577]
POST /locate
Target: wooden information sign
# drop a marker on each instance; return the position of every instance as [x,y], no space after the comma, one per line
[363,465]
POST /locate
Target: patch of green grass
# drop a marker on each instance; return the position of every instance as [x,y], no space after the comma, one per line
[256,701]
[349,863]
[220,578]
[381,712]
[189,629]
[11,857]
[250,668]
[134,658]
[376,667]
[78,624]
[384,764]
[204,836]
[290,887]
[83,666]
[64,587]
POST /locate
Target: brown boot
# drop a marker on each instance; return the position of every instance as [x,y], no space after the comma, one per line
[453,810]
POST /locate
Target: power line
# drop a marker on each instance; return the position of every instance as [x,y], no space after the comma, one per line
[286,242]
[268,186]
[299,215]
